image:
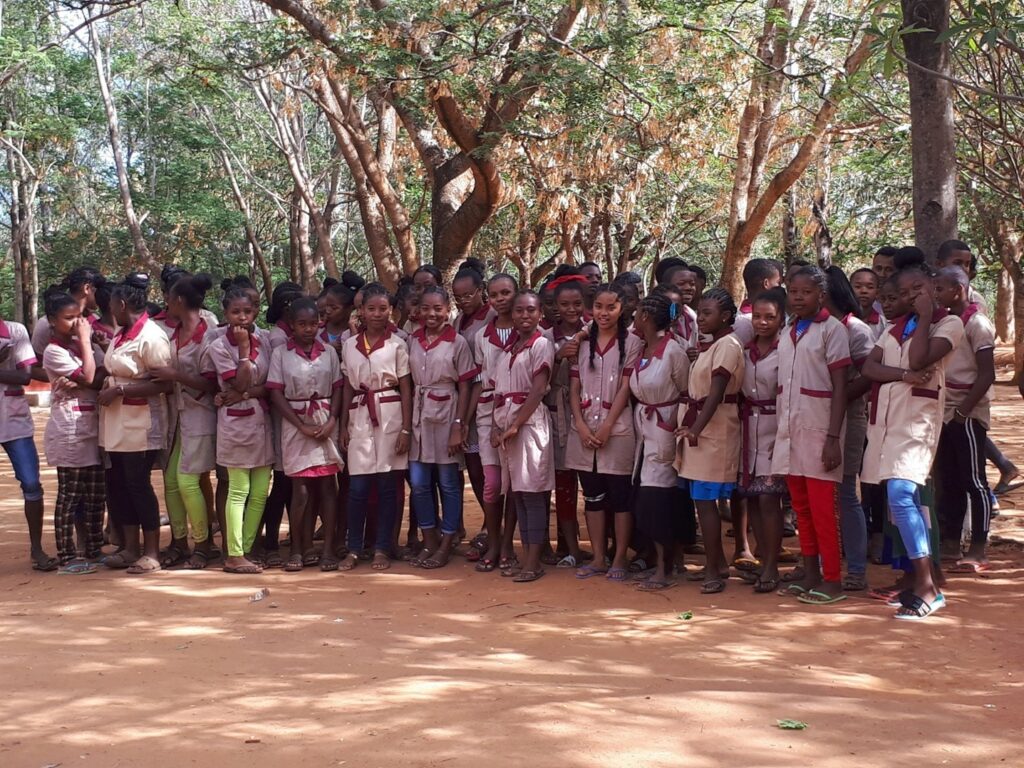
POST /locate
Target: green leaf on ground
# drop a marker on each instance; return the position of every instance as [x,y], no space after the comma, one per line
[792,725]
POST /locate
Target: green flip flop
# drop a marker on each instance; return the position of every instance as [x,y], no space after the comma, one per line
[814,597]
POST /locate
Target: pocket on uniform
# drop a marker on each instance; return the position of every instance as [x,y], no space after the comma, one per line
[437,407]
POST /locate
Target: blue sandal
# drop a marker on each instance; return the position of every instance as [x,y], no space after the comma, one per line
[589,570]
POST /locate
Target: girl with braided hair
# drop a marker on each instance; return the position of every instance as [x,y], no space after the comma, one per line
[601,440]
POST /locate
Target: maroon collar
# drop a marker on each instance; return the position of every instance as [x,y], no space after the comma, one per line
[612,343]
[361,343]
[128,334]
[746,307]
[873,317]
[971,310]
[447,334]
[467,320]
[755,351]
[557,335]
[537,333]
[659,351]
[5,332]
[282,325]
[197,334]
[491,334]
[821,317]
[314,353]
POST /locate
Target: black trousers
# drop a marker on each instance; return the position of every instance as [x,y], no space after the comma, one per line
[130,496]
[960,476]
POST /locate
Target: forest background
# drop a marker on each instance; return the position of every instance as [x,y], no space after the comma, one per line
[292,140]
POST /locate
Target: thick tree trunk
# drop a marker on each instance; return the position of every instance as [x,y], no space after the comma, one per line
[932,133]
[114,134]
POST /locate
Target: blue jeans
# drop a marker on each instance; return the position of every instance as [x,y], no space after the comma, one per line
[358,501]
[25,460]
[907,516]
[853,526]
[422,498]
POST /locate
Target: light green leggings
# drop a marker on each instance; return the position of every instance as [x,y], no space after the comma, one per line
[243,517]
[186,505]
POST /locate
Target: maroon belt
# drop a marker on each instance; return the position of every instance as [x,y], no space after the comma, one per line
[370,401]
[500,398]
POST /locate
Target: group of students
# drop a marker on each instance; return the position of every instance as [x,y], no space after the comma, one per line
[670,411]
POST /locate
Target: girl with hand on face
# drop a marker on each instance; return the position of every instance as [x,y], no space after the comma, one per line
[658,382]
[72,433]
[442,370]
[305,384]
[133,423]
[489,345]
[601,440]
[762,490]
[240,360]
[376,424]
[709,443]
[566,335]
[522,430]
[813,359]
[908,365]
[193,424]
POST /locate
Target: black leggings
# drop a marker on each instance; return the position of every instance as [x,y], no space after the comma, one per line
[130,495]
[280,497]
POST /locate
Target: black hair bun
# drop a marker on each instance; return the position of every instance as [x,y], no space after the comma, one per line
[202,281]
[139,280]
[352,280]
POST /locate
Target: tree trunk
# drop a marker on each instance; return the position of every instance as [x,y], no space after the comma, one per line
[1005,295]
[790,233]
[114,134]
[932,134]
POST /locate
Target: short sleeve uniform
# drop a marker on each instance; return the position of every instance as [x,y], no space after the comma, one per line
[557,398]
[438,366]
[375,415]
[743,327]
[244,431]
[861,344]
[962,365]
[489,345]
[600,380]
[684,329]
[528,459]
[658,382]
[905,420]
[758,411]
[307,381]
[193,413]
[716,457]
[72,437]
[132,424]
[15,416]
[806,360]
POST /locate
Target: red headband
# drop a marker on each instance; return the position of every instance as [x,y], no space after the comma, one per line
[565,279]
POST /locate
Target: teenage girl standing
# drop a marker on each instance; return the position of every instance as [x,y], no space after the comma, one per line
[905,423]
[305,389]
[601,438]
[376,424]
[240,358]
[813,358]
[133,424]
[442,370]
[566,334]
[193,425]
[657,382]
[489,345]
[522,430]
[72,433]
[710,433]
[761,489]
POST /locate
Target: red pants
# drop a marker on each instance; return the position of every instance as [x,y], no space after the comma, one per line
[816,503]
[566,494]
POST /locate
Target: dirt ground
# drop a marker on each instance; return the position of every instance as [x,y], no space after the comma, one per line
[452,667]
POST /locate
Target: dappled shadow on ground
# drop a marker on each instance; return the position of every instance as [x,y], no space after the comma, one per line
[450,667]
